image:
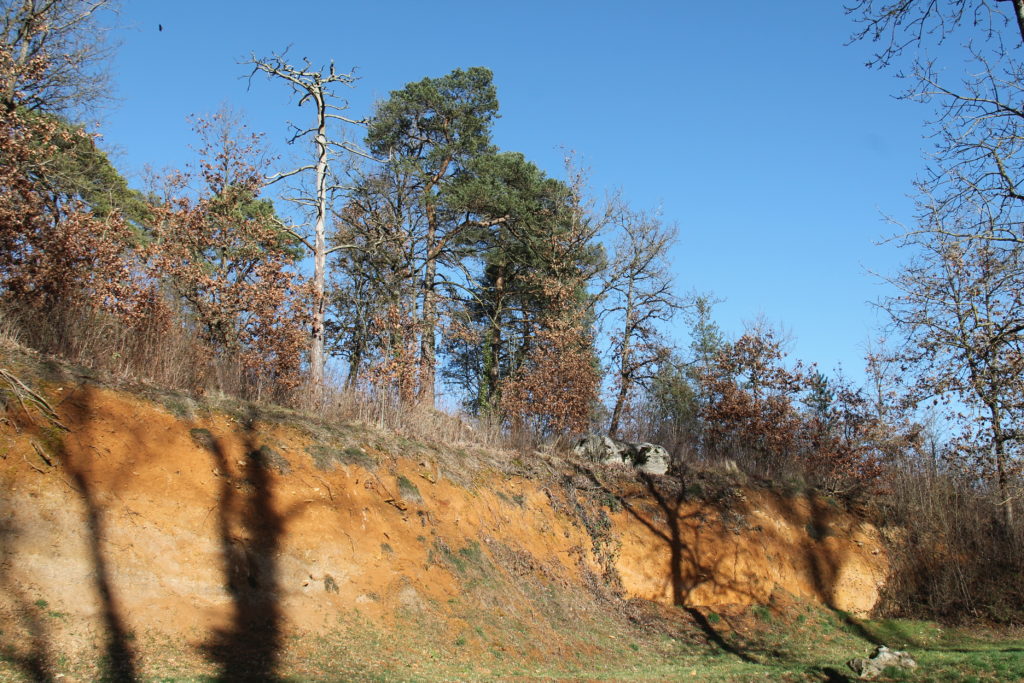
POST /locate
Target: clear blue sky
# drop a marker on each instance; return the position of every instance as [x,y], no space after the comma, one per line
[750,124]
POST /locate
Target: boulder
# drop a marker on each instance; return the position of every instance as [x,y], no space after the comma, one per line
[647,457]
[652,458]
[871,668]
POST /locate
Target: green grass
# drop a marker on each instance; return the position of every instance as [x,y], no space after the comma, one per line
[326,457]
[408,490]
[490,646]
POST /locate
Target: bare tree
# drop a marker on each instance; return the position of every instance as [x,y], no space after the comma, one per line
[317,88]
[961,303]
[961,309]
[899,24]
[973,188]
[638,296]
[972,185]
[53,54]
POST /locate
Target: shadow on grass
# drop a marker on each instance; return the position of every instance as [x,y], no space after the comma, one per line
[975,651]
[832,675]
[859,629]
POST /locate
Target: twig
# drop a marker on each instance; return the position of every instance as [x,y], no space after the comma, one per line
[31,465]
[42,455]
[351,542]
[327,486]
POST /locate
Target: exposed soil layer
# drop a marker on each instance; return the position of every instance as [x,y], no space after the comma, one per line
[231,533]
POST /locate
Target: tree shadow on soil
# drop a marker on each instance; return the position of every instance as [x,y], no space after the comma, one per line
[689,569]
[35,662]
[249,531]
[120,657]
[679,551]
[823,565]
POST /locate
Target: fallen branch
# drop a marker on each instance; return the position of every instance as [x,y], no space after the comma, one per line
[41,453]
[23,393]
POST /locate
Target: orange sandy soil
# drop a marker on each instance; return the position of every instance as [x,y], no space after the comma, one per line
[158,546]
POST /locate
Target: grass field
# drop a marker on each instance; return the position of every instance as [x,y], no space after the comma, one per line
[795,643]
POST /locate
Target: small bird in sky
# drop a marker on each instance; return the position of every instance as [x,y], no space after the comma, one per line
[160,27]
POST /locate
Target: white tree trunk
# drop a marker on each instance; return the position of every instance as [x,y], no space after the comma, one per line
[316,347]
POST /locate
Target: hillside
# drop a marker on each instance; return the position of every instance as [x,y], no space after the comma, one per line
[150,535]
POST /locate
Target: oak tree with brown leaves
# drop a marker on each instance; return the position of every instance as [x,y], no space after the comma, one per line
[57,248]
[222,250]
[54,55]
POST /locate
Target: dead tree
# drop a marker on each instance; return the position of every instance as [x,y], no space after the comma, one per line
[317,88]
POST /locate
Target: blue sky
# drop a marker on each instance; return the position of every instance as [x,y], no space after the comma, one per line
[751,125]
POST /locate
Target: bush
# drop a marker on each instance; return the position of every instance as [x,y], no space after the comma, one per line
[953,557]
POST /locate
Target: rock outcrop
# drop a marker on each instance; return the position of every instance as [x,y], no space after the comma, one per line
[646,457]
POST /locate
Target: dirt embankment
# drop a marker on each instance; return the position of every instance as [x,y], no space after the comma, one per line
[234,532]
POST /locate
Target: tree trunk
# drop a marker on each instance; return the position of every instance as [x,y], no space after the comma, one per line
[427,348]
[624,358]
[620,401]
[999,439]
[429,316]
[1003,483]
[1018,9]
[355,363]
[316,348]
[492,352]
[624,387]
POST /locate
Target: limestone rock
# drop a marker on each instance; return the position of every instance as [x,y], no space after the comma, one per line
[647,457]
[652,458]
[872,668]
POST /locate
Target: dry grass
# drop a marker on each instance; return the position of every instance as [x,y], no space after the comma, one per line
[169,355]
[955,558]
[414,421]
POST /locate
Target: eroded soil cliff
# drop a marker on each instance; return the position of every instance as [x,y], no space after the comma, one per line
[235,535]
